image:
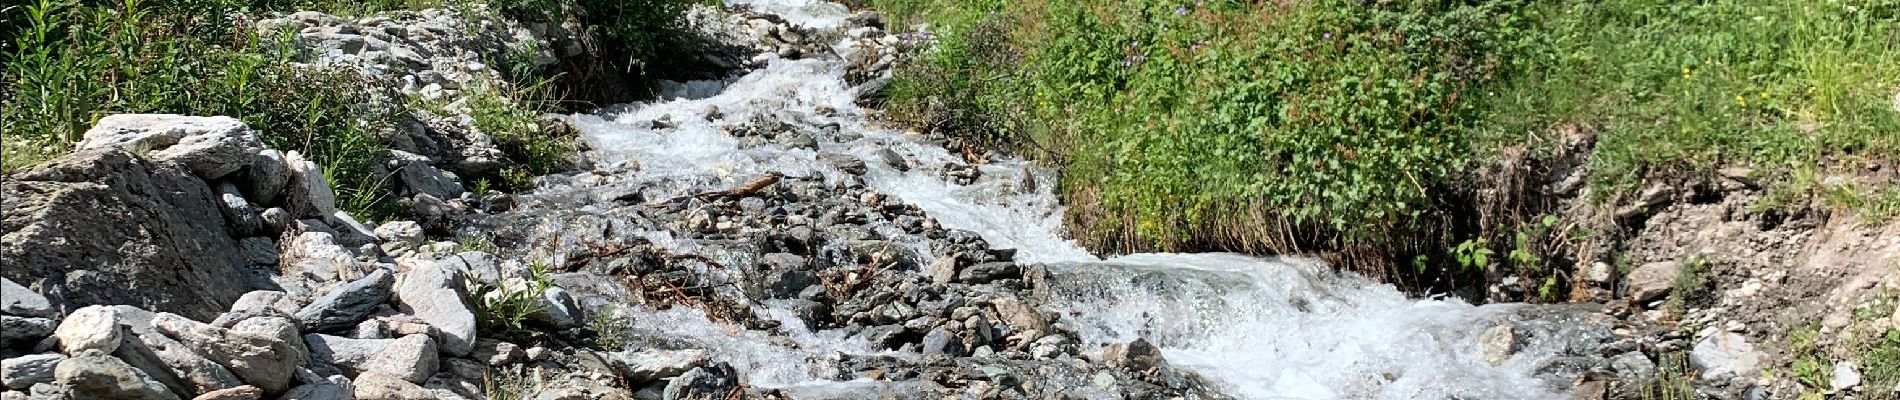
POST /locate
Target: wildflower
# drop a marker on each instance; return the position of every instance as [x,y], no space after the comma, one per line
[1327,36]
[1180,10]
[1686,73]
[1741,101]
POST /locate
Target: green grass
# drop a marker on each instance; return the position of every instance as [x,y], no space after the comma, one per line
[1355,128]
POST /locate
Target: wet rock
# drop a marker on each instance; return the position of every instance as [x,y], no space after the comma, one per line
[348,303]
[16,299]
[1137,355]
[435,294]
[844,162]
[1500,342]
[210,147]
[89,328]
[1651,281]
[260,351]
[265,179]
[989,272]
[94,375]
[1633,365]
[653,365]
[147,230]
[412,358]
[353,355]
[308,192]
[708,382]
[1592,390]
[20,373]
[1722,354]
[891,159]
[246,392]
[1020,316]
[17,330]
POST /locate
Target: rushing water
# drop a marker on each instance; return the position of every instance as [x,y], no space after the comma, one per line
[1263,328]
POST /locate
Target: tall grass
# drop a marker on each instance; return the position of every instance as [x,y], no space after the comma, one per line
[1353,129]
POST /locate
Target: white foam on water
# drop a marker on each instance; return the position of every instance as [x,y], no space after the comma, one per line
[1261,328]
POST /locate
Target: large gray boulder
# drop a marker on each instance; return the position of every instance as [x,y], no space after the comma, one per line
[436,294]
[94,375]
[412,358]
[211,147]
[1721,354]
[351,355]
[105,227]
[17,299]
[22,372]
[261,351]
[24,330]
[89,328]
[1653,280]
[348,303]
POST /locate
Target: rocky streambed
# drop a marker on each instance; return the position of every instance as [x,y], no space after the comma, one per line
[759,235]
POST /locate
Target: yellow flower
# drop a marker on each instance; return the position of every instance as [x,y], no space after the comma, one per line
[1686,73]
[1739,100]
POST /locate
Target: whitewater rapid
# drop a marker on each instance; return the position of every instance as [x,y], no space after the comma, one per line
[1262,328]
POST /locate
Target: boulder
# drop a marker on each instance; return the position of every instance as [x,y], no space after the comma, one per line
[89,328]
[558,309]
[17,299]
[400,235]
[707,382]
[1020,316]
[412,358]
[436,294]
[94,375]
[943,270]
[318,391]
[308,191]
[348,303]
[210,147]
[1651,281]
[18,330]
[261,351]
[147,231]
[265,179]
[133,351]
[352,355]
[258,303]
[496,352]
[20,373]
[989,271]
[652,365]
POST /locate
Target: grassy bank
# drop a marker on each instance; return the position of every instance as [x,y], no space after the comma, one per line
[70,63]
[1356,130]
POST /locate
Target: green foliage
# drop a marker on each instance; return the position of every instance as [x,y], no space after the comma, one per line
[1882,365]
[1693,286]
[1672,87]
[1673,381]
[78,62]
[506,307]
[611,331]
[1473,254]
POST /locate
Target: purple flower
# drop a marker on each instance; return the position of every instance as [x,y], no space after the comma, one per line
[1327,36]
[1180,10]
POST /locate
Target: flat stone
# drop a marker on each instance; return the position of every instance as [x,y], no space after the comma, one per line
[352,355]
[89,328]
[18,300]
[17,330]
[20,373]
[346,304]
[1020,316]
[260,351]
[1846,376]
[652,365]
[211,147]
[496,352]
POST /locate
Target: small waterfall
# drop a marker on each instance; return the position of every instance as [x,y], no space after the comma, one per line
[1262,328]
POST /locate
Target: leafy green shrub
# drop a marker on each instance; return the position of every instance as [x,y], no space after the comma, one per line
[1694,286]
[504,307]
